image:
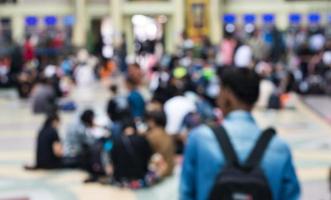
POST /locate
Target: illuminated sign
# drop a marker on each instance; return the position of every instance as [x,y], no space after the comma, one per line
[295,18]
[69,20]
[268,18]
[249,19]
[314,18]
[229,18]
[31,21]
[50,20]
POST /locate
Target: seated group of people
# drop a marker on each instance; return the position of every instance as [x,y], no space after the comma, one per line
[134,151]
[139,146]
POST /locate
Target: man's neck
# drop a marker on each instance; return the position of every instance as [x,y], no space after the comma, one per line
[239,108]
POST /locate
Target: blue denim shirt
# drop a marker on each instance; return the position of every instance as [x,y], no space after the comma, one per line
[203,159]
[137,104]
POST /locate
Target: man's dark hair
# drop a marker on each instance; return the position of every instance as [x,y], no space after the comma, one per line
[135,65]
[130,81]
[87,117]
[159,117]
[129,123]
[243,82]
[113,89]
[50,119]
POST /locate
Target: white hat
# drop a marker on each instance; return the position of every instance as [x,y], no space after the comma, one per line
[327,58]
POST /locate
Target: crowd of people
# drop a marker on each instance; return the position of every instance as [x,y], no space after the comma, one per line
[299,56]
[200,86]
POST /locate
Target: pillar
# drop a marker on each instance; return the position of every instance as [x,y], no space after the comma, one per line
[128,28]
[117,18]
[282,20]
[80,29]
[215,20]
[18,27]
[221,10]
[178,20]
[171,35]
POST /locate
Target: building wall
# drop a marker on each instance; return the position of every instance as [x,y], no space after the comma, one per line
[86,10]
[281,8]
[122,10]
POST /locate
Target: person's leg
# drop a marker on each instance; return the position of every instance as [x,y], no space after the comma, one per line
[72,162]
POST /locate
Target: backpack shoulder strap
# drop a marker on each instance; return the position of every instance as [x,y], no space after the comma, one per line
[257,153]
[225,145]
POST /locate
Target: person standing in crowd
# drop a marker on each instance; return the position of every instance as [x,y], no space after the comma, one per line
[258,47]
[84,74]
[107,70]
[16,65]
[227,50]
[165,90]
[278,49]
[243,57]
[118,111]
[203,160]
[122,52]
[43,97]
[28,50]
[135,99]
[161,143]
[49,148]
[135,74]
[305,55]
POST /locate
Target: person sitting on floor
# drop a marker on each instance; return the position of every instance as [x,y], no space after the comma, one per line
[78,141]
[162,144]
[130,156]
[49,148]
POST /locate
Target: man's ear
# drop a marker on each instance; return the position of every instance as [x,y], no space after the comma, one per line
[226,92]
[229,97]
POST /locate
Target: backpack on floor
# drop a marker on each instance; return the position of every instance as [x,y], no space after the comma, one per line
[68,106]
[274,102]
[242,181]
[93,157]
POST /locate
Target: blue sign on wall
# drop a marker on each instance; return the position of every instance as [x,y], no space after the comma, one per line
[314,18]
[249,19]
[50,20]
[268,18]
[295,18]
[329,18]
[229,18]
[69,20]
[31,21]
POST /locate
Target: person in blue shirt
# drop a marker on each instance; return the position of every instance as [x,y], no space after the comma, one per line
[203,159]
[135,100]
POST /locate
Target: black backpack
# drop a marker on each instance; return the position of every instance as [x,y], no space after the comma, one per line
[242,181]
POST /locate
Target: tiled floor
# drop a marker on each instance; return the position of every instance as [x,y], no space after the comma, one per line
[308,135]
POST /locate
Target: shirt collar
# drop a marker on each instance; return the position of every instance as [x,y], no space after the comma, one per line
[240,115]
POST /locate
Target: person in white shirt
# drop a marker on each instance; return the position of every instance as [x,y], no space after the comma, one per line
[176,109]
[243,56]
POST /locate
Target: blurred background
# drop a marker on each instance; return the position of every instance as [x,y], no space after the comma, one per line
[288,41]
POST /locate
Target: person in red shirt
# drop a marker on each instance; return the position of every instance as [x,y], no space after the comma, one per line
[28,50]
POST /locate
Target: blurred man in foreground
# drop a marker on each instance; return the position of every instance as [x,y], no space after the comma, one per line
[204,160]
